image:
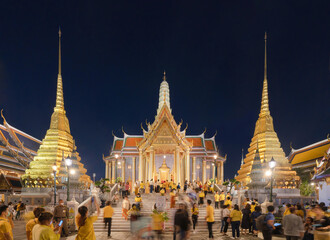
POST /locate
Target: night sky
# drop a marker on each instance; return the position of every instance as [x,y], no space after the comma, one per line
[114,54]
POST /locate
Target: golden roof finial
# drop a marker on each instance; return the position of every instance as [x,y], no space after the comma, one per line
[264,100]
[59,51]
[164,77]
[59,93]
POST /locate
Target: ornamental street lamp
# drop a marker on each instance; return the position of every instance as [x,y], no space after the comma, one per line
[94,175]
[272,164]
[54,173]
[68,164]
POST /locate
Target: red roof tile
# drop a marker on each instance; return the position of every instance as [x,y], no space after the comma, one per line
[118,145]
[209,144]
[132,141]
[196,141]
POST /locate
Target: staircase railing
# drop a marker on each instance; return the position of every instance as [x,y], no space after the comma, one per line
[217,188]
[88,202]
[113,190]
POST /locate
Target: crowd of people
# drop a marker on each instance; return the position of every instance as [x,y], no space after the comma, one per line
[306,222]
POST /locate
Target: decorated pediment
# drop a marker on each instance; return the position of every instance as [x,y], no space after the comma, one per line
[164,130]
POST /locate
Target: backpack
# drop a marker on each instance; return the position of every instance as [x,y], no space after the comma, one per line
[260,222]
[15,207]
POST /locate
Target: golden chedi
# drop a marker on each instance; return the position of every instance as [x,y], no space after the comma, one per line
[269,145]
[57,145]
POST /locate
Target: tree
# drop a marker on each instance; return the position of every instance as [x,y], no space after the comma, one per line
[102,185]
[306,189]
[231,183]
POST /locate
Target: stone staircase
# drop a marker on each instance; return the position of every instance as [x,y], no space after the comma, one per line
[119,224]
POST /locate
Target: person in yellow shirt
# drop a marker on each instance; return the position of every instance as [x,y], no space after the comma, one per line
[31,223]
[236,218]
[201,196]
[107,216]
[299,212]
[6,232]
[209,217]
[85,223]
[142,187]
[216,200]
[287,210]
[162,192]
[147,189]
[194,215]
[43,231]
[222,198]
[228,202]
[138,200]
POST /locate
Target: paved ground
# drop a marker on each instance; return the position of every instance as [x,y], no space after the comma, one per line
[19,234]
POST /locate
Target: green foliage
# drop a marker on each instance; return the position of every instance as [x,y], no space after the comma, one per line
[102,185]
[306,189]
[231,183]
[304,176]
[119,179]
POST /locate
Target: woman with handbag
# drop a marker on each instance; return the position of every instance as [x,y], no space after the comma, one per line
[226,218]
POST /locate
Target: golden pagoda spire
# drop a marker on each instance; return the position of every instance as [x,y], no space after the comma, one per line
[264,100]
[59,94]
[164,77]
[58,140]
[265,137]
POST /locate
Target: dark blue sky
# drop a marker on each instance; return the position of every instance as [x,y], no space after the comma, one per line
[114,53]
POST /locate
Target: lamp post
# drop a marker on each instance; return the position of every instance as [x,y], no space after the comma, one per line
[94,175]
[272,164]
[54,172]
[68,163]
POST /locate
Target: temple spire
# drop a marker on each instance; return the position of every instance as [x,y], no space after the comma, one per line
[164,77]
[59,52]
[264,100]
[59,93]
[242,161]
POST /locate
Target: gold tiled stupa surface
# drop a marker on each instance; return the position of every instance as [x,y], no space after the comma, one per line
[58,142]
[269,144]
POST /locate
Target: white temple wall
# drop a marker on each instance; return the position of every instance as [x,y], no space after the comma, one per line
[324,193]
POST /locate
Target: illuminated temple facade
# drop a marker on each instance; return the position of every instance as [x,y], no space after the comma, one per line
[164,151]
[57,145]
[268,144]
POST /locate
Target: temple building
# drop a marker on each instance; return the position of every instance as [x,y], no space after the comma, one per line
[269,145]
[304,159]
[17,150]
[57,145]
[164,151]
[321,177]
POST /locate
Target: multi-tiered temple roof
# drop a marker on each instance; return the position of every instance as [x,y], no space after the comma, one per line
[130,144]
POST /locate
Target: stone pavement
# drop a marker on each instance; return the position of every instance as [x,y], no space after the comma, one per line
[19,234]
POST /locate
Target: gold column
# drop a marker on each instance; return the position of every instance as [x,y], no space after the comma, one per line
[151,163]
[106,169]
[187,167]
[113,171]
[221,175]
[218,172]
[123,165]
[146,165]
[213,170]
[204,171]
[193,168]
[133,172]
[140,166]
[178,166]
[109,170]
